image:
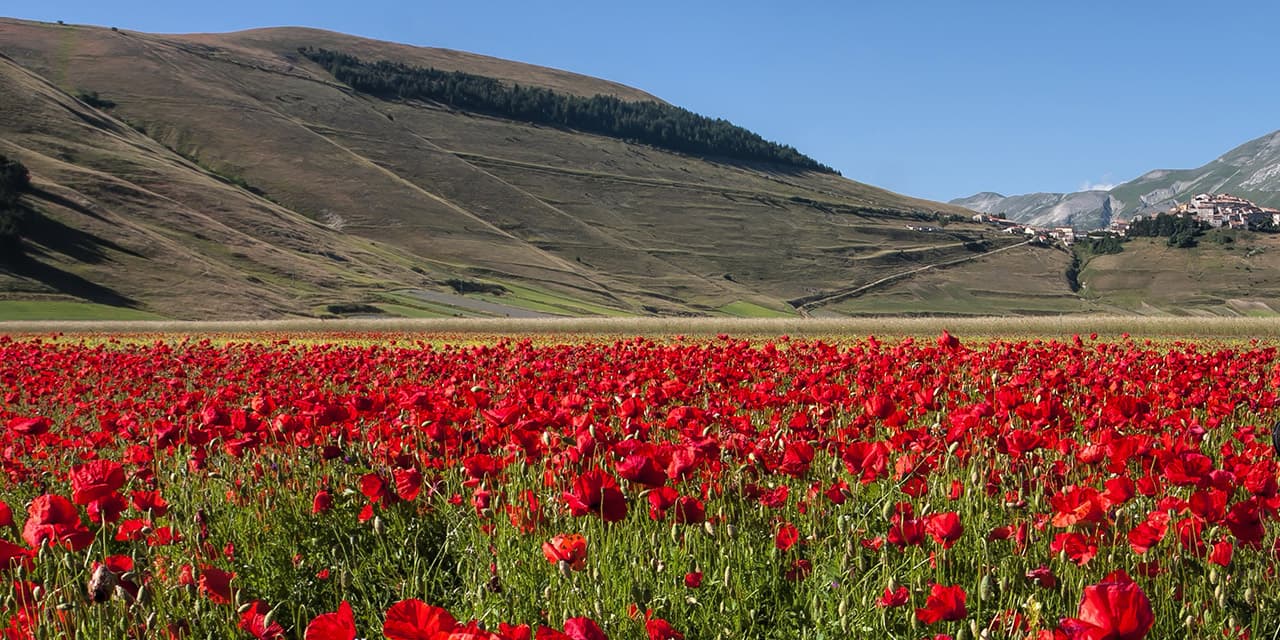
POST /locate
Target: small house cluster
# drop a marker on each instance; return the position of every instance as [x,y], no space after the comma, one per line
[1226,210]
[1065,235]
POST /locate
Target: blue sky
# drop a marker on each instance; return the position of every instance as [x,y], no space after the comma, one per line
[933,99]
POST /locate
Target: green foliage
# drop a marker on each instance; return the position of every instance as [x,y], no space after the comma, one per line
[352,308]
[1163,225]
[652,123]
[94,100]
[1105,245]
[1073,272]
[1183,239]
[472,286]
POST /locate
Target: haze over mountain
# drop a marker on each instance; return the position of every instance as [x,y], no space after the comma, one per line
[1251,170]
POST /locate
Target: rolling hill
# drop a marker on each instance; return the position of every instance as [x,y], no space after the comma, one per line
[228,175]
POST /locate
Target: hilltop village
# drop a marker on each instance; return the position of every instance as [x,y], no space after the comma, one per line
[1207,210]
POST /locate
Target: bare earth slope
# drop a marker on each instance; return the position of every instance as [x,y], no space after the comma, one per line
[234,178]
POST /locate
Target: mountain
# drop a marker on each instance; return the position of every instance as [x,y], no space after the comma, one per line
[1251,171]
[1086,209]
[232,176]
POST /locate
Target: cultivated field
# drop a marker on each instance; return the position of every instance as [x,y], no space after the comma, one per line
[331,480]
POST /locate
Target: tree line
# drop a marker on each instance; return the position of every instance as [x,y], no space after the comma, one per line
[647,122]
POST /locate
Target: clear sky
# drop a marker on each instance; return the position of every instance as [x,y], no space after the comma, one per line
[938,99]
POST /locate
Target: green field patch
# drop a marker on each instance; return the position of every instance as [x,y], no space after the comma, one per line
[744,309]
[68,310]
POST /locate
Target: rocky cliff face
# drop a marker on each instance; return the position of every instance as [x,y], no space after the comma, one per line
[1083,210]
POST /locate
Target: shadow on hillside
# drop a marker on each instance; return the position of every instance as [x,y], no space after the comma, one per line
[65,282]
[76,244]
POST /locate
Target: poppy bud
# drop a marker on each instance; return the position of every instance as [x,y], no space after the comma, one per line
[379,527]
[987,588]
[101,584]
[708,528]
[563,566]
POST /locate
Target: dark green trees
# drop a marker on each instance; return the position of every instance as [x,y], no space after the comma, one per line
[652,123]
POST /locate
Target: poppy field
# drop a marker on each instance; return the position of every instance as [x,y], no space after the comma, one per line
[1074,489]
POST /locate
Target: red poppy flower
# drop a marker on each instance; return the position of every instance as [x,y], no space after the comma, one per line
[216,584]
[13,556]
[150,502]
[52,518]
[340,625]
[408,483]
[800,569]
[943,604]
[417,620]
[786,537]
[1149,532]
[322,502]
[596,492]
[30,426]
[583,629]
[1042,576]
[570,548]
[1222,552]
[659,629]
[254,621]
[944,528]
[894,598]
[374,487]
[642,469]
[693,579]
[95,480]
[948,341]
[1114,609]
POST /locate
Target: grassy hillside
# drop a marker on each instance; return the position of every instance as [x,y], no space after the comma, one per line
[1219,276]
[226,175]
[123,221]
